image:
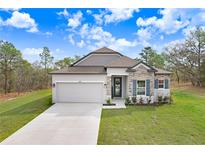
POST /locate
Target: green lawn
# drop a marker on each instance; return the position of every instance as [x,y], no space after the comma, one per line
[16,113]
[182,122]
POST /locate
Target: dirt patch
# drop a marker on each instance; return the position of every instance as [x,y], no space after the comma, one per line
[188,87]
[11,96]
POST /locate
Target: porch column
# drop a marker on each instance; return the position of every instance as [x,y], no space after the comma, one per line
[108,89]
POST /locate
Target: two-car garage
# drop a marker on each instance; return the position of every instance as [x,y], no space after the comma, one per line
[89,92]
[78,88]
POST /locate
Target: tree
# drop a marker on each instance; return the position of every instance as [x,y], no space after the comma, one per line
[9,59]
[151,57]
[66,62]
[171,67]
[195,44]
[46,58]
[187,56]
[203,72]
[23,77]
[46,61]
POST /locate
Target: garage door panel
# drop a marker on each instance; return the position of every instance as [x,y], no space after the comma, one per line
[79,92]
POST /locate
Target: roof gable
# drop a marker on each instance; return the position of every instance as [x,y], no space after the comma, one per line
[99,57]
[98,60]
[105,50]
[145,65]
[123,61]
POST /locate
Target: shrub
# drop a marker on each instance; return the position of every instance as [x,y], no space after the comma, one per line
[171,99]
[159,99]
[166,99]
[127,100]
[141,101]
[149,100]
[134,100]
[109,101]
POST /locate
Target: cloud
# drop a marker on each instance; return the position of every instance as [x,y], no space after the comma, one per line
[81,44]
[171,21]
[118,15]
[95,36]
[63,13]
[70,39]
[21,20]
[114,15]
[1,22]
[9,9]
[98,18]
[162,37]
[88,11]
[188,29]
[48,34]
[31,54]
[75,20]
[84,30]
[32,51]
[144,35]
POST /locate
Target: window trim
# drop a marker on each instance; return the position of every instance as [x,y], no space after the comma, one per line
[144,88]
[163,83]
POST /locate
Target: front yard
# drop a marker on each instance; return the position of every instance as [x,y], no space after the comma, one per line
[182,122]
[16,113]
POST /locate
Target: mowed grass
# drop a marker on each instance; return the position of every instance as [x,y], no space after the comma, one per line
[14,114]
[182,122]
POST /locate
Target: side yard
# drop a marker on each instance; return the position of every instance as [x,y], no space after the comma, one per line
[15,113]
[182,122]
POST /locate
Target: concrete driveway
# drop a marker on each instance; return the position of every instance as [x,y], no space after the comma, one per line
[62,123]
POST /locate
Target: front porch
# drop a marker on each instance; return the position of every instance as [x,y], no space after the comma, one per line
[118,87]
[117,91]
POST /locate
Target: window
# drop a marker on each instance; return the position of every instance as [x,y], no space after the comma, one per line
[140,87]
[161,84]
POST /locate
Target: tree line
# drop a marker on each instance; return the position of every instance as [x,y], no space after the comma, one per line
[19,75]
[185,59]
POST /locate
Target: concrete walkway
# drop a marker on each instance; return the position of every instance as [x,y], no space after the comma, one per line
[62,123]
[119,104]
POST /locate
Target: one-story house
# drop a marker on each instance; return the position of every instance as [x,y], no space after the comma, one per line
[105,73]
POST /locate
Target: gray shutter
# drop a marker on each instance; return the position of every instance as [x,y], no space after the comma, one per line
[147,87]
[156,84]
[134,83]
[166,84]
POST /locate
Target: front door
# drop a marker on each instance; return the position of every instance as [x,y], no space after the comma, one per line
[117,87]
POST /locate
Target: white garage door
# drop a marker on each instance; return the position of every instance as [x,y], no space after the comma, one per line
[79,92]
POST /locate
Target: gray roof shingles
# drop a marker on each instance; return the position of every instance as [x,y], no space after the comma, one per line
[121,62]
[81,70]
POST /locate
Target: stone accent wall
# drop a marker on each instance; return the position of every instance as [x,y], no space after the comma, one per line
[141,74]
[108,88]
